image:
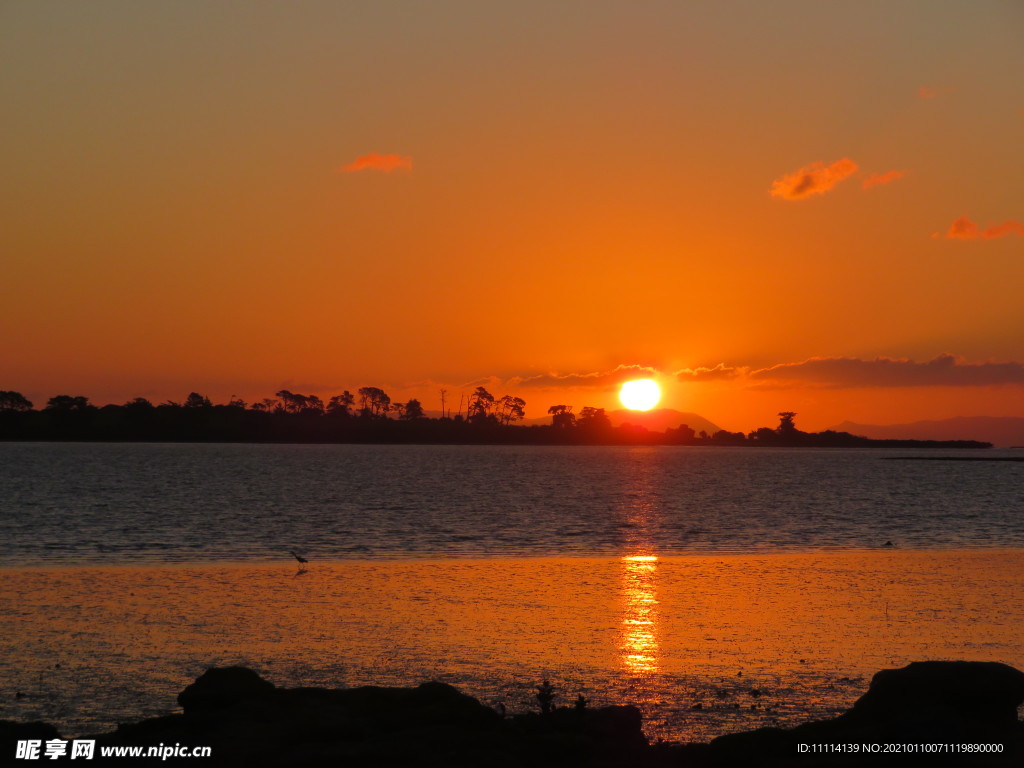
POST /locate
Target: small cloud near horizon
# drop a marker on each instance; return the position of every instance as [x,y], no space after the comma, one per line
[376,162]
[876,179]
[965,229]
[813,179]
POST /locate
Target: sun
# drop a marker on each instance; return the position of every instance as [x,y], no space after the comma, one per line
[640,395]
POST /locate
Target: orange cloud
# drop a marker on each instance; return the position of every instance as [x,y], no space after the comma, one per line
[375,162]
[608,379]
[719,372]
[851,372]
[813,179]
[856,373]
[965,229]
[881,178]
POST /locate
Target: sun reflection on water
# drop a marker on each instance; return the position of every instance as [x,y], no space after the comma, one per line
[640,637]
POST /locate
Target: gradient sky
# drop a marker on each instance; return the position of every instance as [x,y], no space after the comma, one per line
[235,197]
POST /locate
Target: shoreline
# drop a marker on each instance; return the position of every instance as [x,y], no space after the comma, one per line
[238,717]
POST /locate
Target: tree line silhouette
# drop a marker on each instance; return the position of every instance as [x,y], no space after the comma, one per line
[370,416]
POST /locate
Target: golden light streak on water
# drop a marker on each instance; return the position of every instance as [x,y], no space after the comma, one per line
[640,623]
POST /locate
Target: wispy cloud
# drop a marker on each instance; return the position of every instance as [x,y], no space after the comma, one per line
[875,179]
[375,162]
[851,372]
[813,179]
[596,380]
[925,92]
[718,373]
[965,229]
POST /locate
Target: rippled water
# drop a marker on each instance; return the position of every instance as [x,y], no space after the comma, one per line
[92,647]
[128,503]
[667,577]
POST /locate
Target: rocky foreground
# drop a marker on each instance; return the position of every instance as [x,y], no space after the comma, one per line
[248,721]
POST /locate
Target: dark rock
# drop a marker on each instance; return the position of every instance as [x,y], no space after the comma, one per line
[924,702]
[222,687]
[247,721]
[12,732]
[984,693]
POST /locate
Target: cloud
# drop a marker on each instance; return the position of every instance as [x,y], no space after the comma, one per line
[924,92]
[718,373]
[851,372]
[597,380]
[375,162]
[875,179]
[965,229]
[813,179]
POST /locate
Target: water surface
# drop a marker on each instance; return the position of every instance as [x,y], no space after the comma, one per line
[720,589]
[100,504]
[92,647]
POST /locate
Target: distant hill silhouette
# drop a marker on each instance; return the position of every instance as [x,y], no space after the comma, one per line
[1002,431]
[660,419]
[657,420]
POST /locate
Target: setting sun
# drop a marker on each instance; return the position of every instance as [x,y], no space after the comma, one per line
[640,395]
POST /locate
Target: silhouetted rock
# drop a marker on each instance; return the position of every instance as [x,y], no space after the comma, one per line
[929,702]
[221,687]
[12,732]
[248,721]
[985,694]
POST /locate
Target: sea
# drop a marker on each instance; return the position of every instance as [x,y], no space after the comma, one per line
[718,589]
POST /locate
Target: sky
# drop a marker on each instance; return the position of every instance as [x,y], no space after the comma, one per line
[798,205]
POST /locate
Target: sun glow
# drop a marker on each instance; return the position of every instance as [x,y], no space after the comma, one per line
[640,395]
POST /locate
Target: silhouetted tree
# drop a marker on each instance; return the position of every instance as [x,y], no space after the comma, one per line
[562,416]
[292,402]
[69,403]
[313,404]
[510,409]
[195,400]
[786,424]
[413,410]
[373,401]
[14,401]
[681,435]
[139,404]
[480,404]
[340,405]
[593,418]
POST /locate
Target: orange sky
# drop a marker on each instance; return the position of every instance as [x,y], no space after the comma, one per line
[236,198]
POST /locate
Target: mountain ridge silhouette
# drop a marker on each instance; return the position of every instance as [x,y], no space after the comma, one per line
[1001,431]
